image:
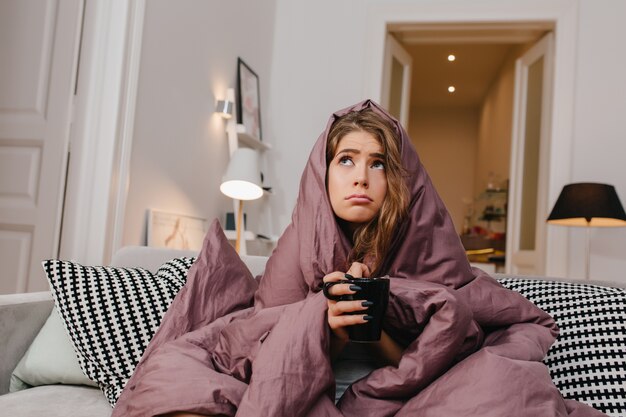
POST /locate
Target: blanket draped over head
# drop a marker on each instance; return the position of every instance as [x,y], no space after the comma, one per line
[472,347]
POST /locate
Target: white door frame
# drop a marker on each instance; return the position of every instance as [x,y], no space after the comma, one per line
[102,129]
[394,50]
[564,14]
[529,261]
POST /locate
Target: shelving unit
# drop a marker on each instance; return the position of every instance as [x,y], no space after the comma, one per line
[486,251]
[238,137]
[495,206]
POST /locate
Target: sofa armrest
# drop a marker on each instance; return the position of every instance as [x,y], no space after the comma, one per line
[21,318]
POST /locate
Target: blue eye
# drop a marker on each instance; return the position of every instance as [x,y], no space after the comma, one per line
[345,160]
[378,165]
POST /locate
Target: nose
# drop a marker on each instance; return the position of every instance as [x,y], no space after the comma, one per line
[361,178]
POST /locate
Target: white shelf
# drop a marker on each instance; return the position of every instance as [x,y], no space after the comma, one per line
[248,235]
[250,141]
[232,235]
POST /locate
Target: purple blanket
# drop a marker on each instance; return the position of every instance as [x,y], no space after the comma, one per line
[472,348]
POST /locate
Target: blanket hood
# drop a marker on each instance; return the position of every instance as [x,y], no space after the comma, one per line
[425,246]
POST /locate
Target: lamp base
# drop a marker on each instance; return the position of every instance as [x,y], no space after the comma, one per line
[239,225]
[587,250]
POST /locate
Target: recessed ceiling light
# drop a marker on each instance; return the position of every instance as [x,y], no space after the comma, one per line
[451,89]
[451,57]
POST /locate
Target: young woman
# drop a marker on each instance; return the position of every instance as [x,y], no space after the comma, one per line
[369,197]
[455,343]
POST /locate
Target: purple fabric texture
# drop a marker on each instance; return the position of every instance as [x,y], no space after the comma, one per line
[473,348]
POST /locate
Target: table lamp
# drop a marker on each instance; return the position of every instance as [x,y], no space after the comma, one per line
[588,205]
[242,181]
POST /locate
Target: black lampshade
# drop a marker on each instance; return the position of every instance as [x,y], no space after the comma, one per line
[588,204]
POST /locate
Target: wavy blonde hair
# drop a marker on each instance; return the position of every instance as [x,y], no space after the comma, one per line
[372,240]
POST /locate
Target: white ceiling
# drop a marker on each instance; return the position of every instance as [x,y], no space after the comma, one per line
[471,73]
[480,50]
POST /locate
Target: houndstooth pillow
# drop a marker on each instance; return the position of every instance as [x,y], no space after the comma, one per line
[112,313]
[588,360]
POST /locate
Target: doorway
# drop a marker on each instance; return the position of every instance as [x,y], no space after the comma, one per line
[463,120]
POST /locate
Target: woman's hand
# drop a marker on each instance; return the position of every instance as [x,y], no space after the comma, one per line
[337,319]
[387,351]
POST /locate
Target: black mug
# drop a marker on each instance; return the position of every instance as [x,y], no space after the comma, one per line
[375,290]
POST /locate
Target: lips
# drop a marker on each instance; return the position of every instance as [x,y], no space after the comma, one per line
[359,198]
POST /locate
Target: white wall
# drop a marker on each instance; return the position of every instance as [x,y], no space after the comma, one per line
[448,135]
[599,129]
[313,58]
[496,120]
[320,63]
[317,69]
[189,58]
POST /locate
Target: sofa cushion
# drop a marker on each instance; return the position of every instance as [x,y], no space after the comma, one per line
[56,401]
[112,313]
[588,359]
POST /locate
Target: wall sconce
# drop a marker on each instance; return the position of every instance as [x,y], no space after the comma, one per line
[224,108]
[588,205]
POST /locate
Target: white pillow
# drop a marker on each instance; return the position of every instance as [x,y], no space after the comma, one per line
[50,359]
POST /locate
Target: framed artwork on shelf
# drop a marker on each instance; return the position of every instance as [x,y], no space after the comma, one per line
[175,231]
[248,100]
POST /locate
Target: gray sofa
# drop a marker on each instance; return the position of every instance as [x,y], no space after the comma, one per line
[23,315]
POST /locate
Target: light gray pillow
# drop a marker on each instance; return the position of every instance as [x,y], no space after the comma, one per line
[50,359]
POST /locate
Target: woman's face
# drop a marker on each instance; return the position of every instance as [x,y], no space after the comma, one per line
[357,183]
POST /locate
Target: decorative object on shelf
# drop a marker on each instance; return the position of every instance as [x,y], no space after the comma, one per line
[230,221]
[242,181]
[176,231]
[588,205]
[248,100]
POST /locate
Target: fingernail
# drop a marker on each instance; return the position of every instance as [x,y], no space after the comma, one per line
[367,303]
[368,318]
[355,287]
[348,276]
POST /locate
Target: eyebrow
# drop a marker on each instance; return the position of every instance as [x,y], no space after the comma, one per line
[350,150]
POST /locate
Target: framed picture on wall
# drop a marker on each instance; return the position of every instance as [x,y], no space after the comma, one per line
[176,231]
[248,100]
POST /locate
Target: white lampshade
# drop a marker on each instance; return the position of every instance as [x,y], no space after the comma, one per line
[242,180]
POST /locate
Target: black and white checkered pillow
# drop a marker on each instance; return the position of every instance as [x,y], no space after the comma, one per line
[588,360]
[112,313]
